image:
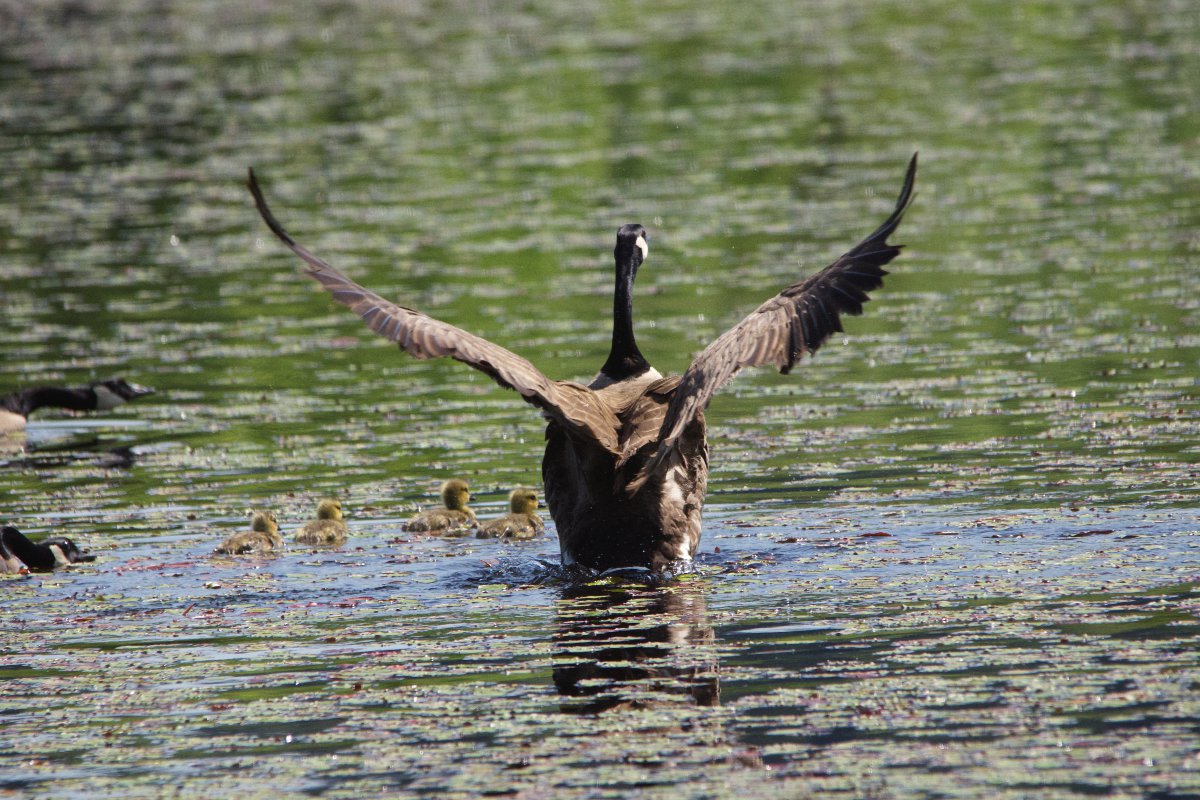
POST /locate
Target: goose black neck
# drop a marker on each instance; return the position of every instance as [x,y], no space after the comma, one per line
[26,401]
[35,556]
[624,358]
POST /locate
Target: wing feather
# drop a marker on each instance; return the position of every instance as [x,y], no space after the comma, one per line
[422,336]
[780,331]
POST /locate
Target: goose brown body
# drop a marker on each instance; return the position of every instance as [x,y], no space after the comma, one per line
[626,461]
[657,526]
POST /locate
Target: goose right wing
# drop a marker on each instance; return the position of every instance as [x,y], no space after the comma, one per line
[796,321]
[422,336]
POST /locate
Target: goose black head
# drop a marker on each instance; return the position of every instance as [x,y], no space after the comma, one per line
[631,249]
[115,391]
[65,551]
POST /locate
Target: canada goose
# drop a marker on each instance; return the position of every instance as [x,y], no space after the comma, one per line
[522,523]
[327,529]
[453,516]
[99,396]
[626,462]
[263,537]
[51,552]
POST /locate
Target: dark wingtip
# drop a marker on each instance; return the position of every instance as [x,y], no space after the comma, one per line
[264,211]
[889,226]
[906,193]
[910,177]
[252,185]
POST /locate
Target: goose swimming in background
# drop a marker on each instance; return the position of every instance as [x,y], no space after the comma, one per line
[453,516]
[626,462]
[263,537]
[521,523]
[328,529]
[54,551]
[99,396]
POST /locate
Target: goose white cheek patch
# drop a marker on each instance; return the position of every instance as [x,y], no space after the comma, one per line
[645,248]
[106,398]
[60,558]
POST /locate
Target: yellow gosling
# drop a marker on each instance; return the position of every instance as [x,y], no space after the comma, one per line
[328,529]
[522,523]
[263,537]
[455,516]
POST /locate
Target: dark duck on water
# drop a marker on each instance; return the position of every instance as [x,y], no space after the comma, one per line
[626,462]
[54,551]
[99,396]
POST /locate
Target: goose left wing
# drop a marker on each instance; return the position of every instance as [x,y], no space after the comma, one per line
[780,331]
[422,336]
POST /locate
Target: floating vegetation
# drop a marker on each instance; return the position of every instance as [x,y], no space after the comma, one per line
[957,557]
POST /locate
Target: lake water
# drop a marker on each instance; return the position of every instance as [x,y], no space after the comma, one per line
[956,554]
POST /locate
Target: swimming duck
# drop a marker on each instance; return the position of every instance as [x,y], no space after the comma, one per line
[454,516]
[522,523]
[328,529]
[263,536]
[626,461]
[54,551]
[99,396]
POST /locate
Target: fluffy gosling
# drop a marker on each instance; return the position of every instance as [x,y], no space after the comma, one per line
[328,529]
[454,516]
[522,523]
[263,537]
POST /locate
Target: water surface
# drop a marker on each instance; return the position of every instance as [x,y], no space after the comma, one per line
[953,556]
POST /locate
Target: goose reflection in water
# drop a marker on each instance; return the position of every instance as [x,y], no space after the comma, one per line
[634,647]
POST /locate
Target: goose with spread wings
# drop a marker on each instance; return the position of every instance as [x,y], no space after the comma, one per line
[626,462]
